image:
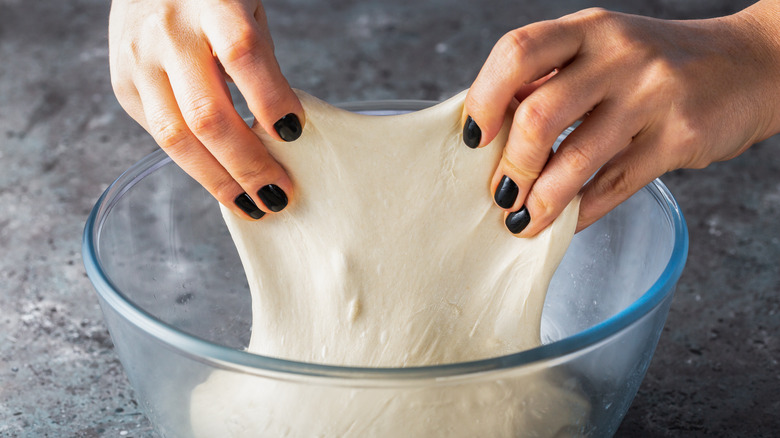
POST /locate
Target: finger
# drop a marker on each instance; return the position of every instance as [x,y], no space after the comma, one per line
[166,125]
[601,136]
[240,40]
[205,106]
[127,96]
[527,89]
[538,122]
[620,178]
[519,58]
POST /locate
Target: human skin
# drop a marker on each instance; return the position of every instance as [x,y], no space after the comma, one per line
[653,95]
[170,60]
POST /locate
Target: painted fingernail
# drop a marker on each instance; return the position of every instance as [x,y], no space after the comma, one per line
[471,133]
[518,220]
[245,203]
[288,127]
[273,197]
[506,192]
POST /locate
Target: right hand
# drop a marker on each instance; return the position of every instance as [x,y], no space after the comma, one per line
[654,95]
[170,60]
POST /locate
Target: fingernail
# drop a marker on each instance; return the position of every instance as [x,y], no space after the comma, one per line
[518,220]
[506,192]
[273,197]
[288,127]
[245,203]
[471,133]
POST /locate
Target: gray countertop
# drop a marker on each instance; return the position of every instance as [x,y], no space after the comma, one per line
[64,138]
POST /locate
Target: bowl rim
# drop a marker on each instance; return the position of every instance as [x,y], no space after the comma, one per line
[246,362]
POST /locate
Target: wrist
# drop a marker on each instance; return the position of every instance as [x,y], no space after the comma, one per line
[758,25]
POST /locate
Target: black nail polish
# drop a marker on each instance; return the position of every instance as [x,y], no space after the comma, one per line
[518,220]
[273,197]
[244,202]
[471,133]
[506,192]
[288,127]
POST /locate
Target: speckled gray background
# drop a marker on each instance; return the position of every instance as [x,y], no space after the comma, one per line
[64,138]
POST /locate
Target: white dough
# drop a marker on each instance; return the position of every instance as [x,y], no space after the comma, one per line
[391,254]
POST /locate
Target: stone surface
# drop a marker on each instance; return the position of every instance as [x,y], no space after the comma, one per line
[64,138]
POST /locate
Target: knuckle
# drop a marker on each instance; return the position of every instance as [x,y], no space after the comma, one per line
[123,87]
[615,183]
[576,160]
[124,61]
[514,166]
[273,100]
[162,24]
[224,190]
[244,47]
[594,14]
[206,118]
[163,20]
[171,136]
[132,53]
[661,71]
[251,173]
[542,211]
[594,18]
[535,121]
[516,45]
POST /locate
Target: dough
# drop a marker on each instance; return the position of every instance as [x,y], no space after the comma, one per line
[392,254]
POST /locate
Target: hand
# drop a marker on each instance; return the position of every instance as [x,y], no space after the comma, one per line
[170,60]
[655,96]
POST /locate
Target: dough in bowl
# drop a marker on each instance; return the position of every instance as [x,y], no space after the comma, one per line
[391,254]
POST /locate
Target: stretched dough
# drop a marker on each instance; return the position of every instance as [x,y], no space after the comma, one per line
[392,254]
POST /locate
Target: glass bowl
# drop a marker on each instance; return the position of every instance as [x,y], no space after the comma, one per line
[175,299]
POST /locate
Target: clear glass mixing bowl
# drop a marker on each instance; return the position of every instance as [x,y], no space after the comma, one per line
[176,302]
